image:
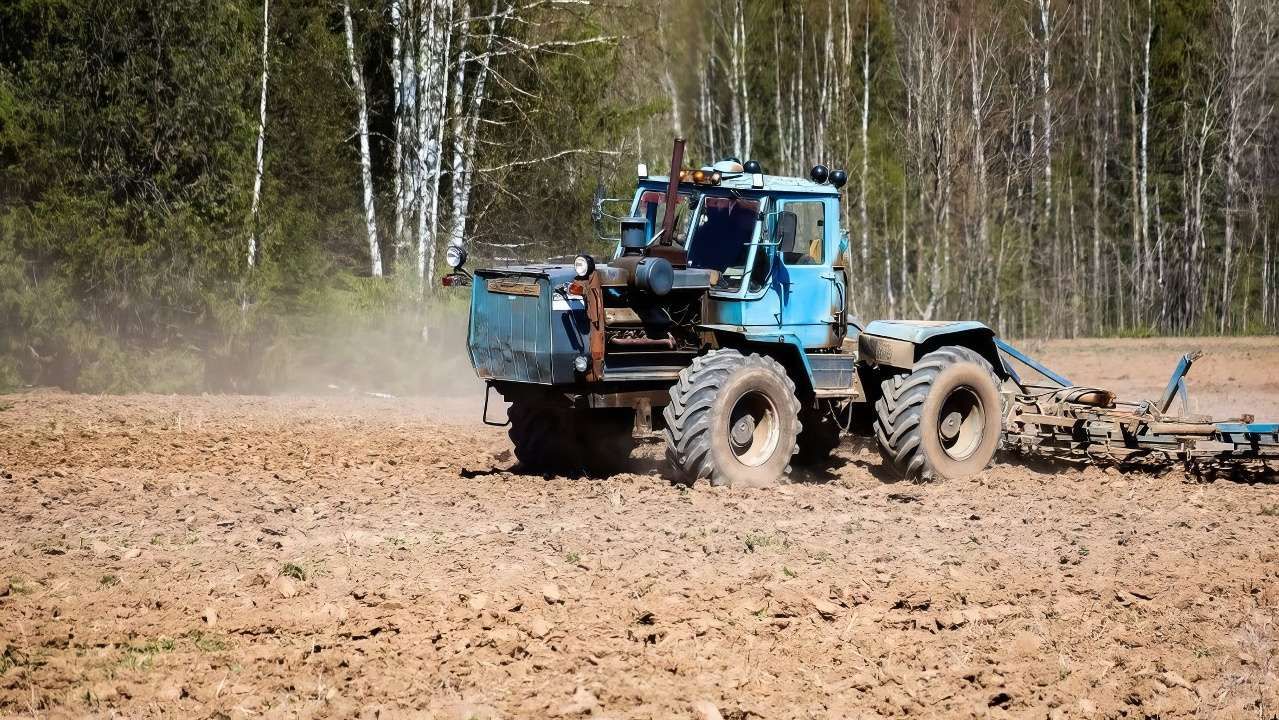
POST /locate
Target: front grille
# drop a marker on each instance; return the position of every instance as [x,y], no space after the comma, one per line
[510,335]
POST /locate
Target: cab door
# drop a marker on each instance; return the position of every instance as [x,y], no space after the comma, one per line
[810,288]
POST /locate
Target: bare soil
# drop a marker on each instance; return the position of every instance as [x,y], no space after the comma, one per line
[248,556]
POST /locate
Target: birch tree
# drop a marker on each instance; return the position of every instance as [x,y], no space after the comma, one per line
[256,204]
[1236,86]
[466,119]
[362,129]
[1143,198]
[401,68]
[432,63]
[1045,71]
[865,147]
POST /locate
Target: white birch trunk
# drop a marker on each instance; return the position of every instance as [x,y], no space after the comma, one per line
[865,178]
[977,76]
[1144,199]
[1046,85]
[258,162]
[1098,173]
[802,158]
[742,84]
[735,97]
[460,151]
[1234,99]
[366,164]
[821,61]
[398,54]
[668,80]
[466,131]
[431,93]
[425,71]
[703,108]
[783,138]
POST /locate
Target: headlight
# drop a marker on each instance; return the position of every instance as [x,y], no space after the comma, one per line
[583,265]
[455,256]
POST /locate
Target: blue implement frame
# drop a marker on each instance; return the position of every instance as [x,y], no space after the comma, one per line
[1031,363]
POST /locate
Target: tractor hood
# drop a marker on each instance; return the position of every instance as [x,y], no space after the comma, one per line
[556,273]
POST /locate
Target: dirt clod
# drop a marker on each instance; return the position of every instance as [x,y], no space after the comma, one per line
[551,593]
[706,710]
[287,587]
[582,702]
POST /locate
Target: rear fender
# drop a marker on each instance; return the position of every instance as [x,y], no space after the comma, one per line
[898,344]
[785,348]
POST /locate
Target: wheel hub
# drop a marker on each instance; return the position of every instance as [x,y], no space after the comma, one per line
[742,431]
[754,428]
[961,423]
[950,426]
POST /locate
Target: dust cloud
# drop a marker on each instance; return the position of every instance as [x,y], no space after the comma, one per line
[404,354]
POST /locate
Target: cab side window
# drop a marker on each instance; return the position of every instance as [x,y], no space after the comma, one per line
[809,247]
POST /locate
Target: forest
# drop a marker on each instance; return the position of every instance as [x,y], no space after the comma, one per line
[251,195]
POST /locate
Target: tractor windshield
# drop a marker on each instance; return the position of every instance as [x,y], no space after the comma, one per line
[724,238]
[651,205]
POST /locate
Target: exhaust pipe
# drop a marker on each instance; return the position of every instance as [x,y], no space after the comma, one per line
[672,192]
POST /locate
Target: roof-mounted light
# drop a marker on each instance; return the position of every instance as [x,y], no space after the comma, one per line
[757,181]
[705,176]
[642,171]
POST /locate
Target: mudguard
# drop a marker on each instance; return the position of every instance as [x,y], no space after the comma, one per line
[785,348]
[899,343]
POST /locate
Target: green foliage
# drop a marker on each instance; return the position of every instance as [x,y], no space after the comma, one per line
[294,571]
[128,130]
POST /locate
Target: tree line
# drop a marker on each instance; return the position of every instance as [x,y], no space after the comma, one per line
[1053,168]
[212,196]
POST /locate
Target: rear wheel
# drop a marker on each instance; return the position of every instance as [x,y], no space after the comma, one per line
[819,437]
[941,420]
[553,437]
[733,420]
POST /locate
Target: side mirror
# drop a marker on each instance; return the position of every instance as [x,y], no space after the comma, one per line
[785,229]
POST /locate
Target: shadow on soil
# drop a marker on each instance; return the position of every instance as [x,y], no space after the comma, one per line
[1254,473]
[837,467]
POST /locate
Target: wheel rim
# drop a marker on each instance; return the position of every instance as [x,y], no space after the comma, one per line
[961,423]
[754,428]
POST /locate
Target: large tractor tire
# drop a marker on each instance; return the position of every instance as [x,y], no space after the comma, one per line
[552,438]
[733,419]
[606,440]
[943,420]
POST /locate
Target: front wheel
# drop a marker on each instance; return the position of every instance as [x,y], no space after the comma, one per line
[943,419]
[733,419]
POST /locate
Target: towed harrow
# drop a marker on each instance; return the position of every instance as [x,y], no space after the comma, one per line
[1064,421]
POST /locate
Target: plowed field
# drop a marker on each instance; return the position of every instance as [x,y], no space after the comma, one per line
[358,555]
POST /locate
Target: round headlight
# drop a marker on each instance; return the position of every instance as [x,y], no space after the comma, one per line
[583,265]
[455,256]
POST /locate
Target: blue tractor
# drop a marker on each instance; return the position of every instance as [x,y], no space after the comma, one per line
[720,320]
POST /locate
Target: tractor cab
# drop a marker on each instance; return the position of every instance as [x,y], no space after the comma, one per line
[772,243]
